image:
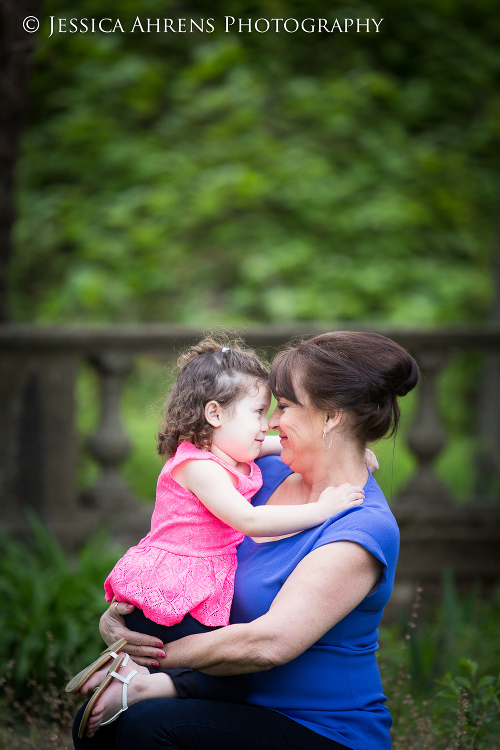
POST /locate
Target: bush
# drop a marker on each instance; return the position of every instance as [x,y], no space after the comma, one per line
[439,634]
[466,713]
[49,624]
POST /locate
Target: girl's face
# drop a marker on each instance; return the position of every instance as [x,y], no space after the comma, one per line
[300,430]
[240,429]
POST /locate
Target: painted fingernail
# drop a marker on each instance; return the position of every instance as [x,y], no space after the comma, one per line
[160,654]
[129,606]
[159,645]
[154,664]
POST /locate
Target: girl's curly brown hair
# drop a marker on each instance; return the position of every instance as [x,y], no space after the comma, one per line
[213,370]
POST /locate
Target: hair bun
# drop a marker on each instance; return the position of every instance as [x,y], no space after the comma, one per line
[406,378]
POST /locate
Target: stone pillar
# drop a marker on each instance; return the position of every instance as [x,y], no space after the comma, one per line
[37,437]
[109,444]
[488,482]
[425,492]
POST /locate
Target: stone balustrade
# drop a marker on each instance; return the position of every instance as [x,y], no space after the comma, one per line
[39,450]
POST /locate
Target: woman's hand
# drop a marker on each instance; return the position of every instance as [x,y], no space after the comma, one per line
[145,649]
[371,461]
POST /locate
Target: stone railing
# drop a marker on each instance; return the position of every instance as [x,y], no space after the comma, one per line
[39,446]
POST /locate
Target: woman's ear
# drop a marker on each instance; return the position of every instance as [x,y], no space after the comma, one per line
[213,411]
[333,420]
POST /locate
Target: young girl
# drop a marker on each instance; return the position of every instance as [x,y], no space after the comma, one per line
[180,576]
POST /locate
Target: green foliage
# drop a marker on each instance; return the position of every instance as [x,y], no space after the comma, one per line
[438,635]
[466,714]
[475,701]
[52,605]
[276,177]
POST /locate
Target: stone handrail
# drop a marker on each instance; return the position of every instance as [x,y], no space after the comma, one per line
[39,445]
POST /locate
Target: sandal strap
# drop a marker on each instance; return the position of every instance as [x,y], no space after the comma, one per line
[126,658]
[126,682]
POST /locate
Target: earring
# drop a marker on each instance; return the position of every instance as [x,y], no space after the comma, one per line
[327,443]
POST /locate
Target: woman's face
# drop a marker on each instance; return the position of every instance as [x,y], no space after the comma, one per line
[300,430]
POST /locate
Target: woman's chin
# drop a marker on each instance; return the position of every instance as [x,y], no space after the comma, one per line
[286,456]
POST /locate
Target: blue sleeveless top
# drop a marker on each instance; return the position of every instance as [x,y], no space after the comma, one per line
[334,687]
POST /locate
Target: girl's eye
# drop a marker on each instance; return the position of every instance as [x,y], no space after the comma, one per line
[281,406]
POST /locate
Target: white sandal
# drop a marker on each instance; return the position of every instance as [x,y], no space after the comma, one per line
[77,682]
[126,683]
[120,661]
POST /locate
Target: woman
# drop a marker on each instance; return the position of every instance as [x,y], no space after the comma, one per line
[307,606]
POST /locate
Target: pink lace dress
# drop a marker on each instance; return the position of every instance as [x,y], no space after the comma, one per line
[187,561]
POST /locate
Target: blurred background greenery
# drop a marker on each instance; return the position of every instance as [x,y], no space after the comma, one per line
[233,178]
[225,179]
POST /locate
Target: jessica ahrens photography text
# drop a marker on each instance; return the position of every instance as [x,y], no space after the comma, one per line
[209,25]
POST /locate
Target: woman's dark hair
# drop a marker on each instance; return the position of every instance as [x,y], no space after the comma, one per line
[361,373]
[213,370]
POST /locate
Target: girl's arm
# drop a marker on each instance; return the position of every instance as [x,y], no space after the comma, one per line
[271,446]
[212,485]
[324,587]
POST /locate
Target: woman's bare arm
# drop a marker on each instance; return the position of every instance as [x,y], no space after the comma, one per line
[326,585]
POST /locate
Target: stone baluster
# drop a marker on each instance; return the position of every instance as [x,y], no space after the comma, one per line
[109,444]
[426,439]
[38,453]
[488,459]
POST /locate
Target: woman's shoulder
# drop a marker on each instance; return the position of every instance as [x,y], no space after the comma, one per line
[373,515]
[371,524]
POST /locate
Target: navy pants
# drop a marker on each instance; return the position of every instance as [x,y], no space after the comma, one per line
[189,683]
[173,724]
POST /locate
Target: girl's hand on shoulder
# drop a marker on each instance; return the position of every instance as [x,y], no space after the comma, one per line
[145,649]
